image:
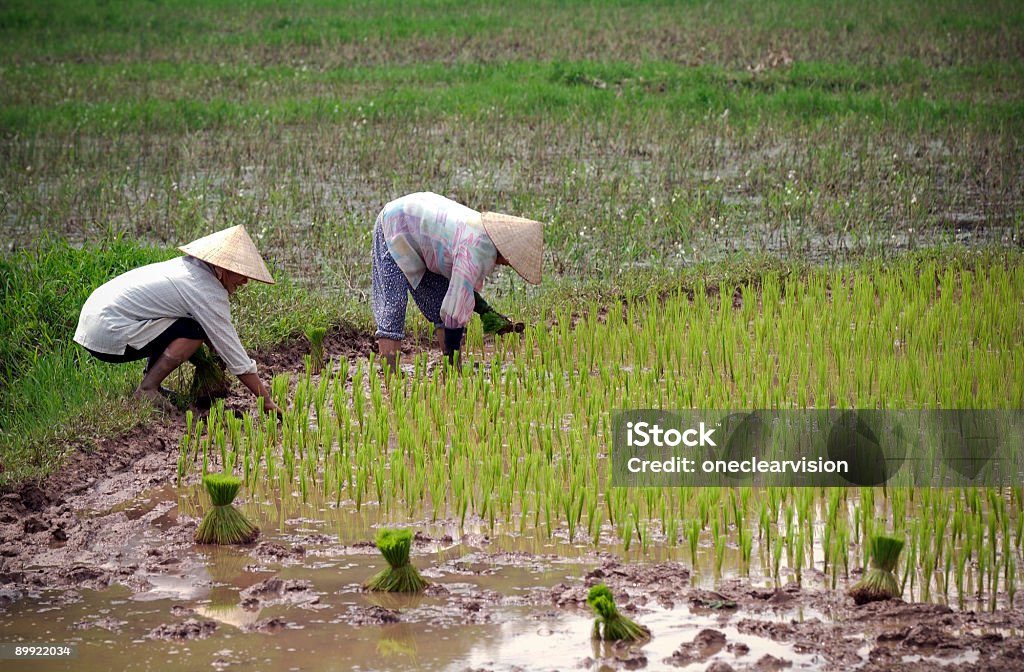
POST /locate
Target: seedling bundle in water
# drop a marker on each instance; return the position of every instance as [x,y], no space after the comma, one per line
[400,576]
[880,582]
[610,625]
[224,524]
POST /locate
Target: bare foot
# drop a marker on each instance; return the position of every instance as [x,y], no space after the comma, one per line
[154,397]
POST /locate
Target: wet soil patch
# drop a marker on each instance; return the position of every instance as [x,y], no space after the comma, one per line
[270,625]
[342,342]
[190,629]
[707,643]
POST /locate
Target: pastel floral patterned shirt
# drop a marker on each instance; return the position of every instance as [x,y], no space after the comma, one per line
[428,232]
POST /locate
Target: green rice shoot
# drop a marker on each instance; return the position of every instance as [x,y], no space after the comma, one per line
[316,336]
[493,322]
[224,524]
[400,576]
[880,581]
[610,625]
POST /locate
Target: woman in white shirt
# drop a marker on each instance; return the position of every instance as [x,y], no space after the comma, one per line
[163,312]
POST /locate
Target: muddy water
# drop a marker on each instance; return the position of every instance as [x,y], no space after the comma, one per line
[499,601]
[294,602]
[321,639]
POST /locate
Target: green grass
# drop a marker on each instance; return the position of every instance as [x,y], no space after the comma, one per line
[50,389]
[53,394]
[729,33]
[177,98]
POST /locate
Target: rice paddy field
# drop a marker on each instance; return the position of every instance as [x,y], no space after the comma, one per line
[747,205]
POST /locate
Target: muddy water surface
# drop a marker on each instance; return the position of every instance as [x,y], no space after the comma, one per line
[294,601]
[143,597]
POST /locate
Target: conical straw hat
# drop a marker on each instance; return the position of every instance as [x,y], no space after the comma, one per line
[232,249]
[519,240]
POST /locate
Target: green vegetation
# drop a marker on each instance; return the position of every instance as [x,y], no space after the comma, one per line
[880,581]
[54,395]
[209,378]
[400,576]
[653,135]
[610,625]
[223,523]
[315,336]
[52,392]
[914,334]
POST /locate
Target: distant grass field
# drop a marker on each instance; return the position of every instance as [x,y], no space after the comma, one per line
[656,140]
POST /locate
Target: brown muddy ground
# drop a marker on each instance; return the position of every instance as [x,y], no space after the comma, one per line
[47,545]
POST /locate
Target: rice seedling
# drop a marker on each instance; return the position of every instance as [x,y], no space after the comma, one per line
[880,581]
[400,576]
[315,336]
[534,459]
[223,523]
[610,625]
[209,378]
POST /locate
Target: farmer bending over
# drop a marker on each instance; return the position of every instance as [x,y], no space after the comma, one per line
[163,312]
[441,251]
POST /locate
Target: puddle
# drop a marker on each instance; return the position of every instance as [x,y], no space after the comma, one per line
[294,602]
[113,632]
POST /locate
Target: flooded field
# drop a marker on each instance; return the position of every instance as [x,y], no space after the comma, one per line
[515,515]
[295,600]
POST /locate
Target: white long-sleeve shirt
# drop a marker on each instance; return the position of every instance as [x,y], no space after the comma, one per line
[137,306]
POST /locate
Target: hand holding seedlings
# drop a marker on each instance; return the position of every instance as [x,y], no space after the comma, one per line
[441,252]
[164,312]
[495,323]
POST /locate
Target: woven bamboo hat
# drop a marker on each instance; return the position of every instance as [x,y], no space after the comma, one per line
[232,249]
[519,240]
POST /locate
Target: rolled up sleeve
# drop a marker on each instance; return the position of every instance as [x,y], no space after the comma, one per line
[458,304]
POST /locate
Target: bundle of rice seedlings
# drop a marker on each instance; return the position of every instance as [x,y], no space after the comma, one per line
[316,336]
[610,625]
[494,323]
[209,379]
[400,576]
[224,524]
[880,581]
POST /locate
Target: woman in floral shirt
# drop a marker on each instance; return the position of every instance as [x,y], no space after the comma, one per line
[440,251]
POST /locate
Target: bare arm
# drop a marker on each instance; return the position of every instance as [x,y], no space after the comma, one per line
[256,386]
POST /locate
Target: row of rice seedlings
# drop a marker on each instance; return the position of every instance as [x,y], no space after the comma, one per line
[521,445]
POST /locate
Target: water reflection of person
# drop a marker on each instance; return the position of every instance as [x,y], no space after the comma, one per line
[441,251]
[163,312]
